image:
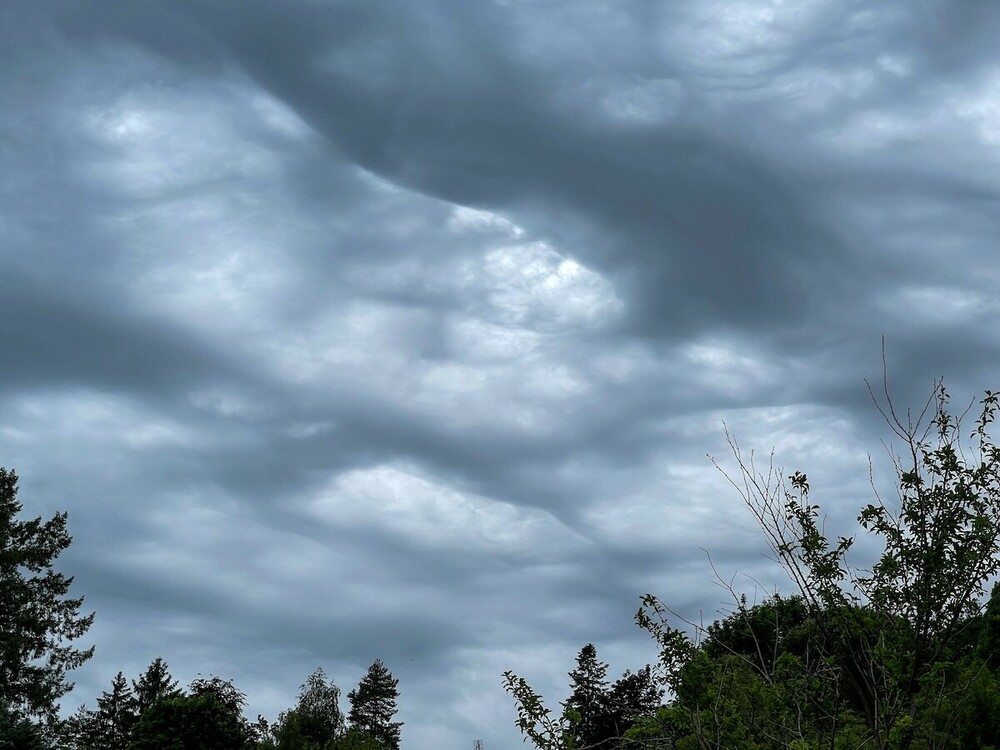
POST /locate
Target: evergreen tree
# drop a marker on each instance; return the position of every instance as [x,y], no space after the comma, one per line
[373,704]
[80,731]
[19,734]
[116,715]
[38,621]
[154,684]
[110,726]
[587,706]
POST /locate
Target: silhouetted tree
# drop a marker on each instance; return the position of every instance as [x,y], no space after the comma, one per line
[19,733]
[154,684]
[115,716]
[587,706]
[38,621]
[373,704]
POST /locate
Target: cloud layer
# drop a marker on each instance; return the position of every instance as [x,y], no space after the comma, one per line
[351,330]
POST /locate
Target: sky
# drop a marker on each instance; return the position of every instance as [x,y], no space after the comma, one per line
[405,329]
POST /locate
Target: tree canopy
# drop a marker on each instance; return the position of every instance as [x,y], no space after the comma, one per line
[899,654]
[39,622]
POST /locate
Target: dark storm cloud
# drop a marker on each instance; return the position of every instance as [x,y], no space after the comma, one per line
[675,208]
[350,330]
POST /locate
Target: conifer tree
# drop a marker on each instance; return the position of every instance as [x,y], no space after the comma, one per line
[38,621]
[154,684]
[373,704]
[19,734]
[116,714]
[110,726]
[587,706]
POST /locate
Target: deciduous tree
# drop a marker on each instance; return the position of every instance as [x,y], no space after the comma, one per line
[210,715]
[896,655]
[316,722]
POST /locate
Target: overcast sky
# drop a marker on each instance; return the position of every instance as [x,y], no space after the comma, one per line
[402,329]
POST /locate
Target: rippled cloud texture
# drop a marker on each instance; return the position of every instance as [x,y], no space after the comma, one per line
[402,329]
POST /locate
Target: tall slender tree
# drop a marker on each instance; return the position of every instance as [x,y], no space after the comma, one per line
[373,704]
[587,705]
[38,620]
[116,714]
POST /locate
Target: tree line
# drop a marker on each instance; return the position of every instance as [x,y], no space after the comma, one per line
[902,653]
[39,621]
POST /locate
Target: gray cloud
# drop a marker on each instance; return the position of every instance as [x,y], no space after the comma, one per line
[401,330]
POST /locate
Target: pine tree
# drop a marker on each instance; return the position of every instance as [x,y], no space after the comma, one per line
[38,622]
[155,683]
[373,704]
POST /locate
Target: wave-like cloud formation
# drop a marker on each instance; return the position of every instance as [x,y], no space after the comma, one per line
[352,330]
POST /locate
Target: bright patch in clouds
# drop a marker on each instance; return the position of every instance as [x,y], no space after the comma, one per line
[534,286]
[425,512]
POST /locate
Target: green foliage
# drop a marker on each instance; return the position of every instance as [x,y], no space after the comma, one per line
[38,621]
[316,722]
[373,704]
[535,720]
[899,656]
[318,709]
[192,722]
[19,733]
[355,739]
[595,715]
[886,633]
[111,725]
[633,696]
[287,734]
